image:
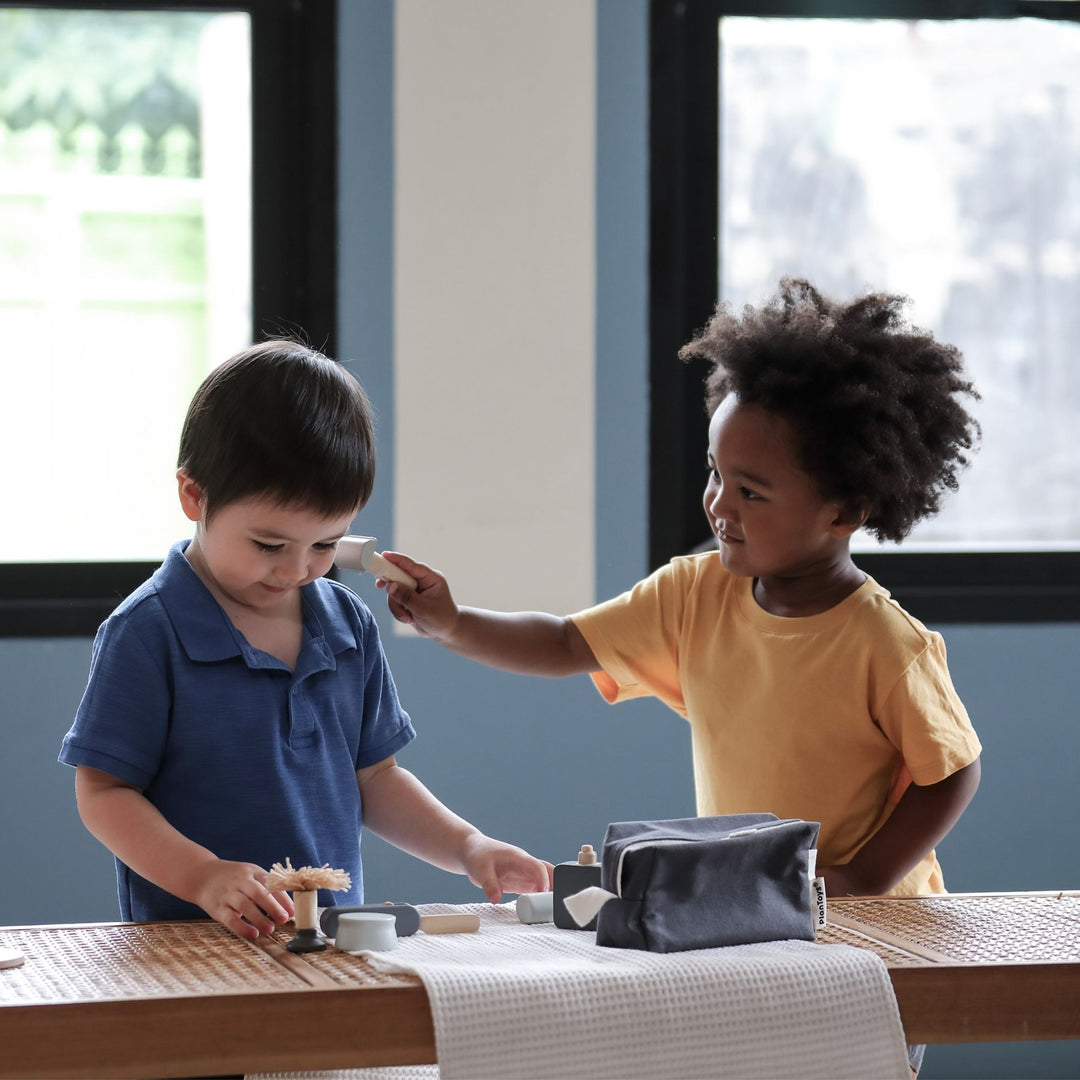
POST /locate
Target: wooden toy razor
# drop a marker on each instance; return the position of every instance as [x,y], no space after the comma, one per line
[358,553]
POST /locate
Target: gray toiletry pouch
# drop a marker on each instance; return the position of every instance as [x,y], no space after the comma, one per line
[698,883]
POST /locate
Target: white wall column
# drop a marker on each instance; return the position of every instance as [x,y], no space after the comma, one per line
[494,297]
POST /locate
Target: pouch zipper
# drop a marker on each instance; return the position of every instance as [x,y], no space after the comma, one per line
[636,845]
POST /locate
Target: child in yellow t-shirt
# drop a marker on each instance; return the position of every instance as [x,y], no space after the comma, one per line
[810,693]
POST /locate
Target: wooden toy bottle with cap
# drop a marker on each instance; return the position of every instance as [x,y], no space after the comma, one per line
[569,878]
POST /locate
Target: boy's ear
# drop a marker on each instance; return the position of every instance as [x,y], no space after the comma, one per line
[192,497]
[849,519]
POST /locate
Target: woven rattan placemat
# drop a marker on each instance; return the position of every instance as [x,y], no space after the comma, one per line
[121,960]
[834,934]
[96,962]
[990,928]
[333,968]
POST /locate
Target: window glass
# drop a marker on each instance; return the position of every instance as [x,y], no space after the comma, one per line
[125,264]
[940,160]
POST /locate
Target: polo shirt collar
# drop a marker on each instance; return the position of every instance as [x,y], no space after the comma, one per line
[324,617]
[207,634]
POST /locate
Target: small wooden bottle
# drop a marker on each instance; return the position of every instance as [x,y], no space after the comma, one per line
[569,878]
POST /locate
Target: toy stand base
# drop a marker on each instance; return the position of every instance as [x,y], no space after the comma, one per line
[306,941]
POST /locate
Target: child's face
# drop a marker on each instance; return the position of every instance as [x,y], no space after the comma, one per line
[257,552]
[766,512]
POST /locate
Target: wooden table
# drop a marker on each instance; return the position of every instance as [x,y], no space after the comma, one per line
[189,999]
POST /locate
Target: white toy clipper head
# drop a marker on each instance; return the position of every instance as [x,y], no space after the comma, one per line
[358,553]
[354,552]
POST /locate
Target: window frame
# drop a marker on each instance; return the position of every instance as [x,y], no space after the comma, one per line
[294,258]
[1032,585]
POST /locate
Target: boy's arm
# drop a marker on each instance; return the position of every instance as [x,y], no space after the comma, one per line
[134,830]
[402,811]
[526,642]
[922,818]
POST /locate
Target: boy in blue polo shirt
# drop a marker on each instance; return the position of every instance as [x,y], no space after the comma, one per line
[239,708]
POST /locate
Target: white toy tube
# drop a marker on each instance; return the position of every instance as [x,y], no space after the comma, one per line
[358,553]
[535,907]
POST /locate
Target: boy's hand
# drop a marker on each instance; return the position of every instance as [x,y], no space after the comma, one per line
[429,608]
[497,868]
[235,895]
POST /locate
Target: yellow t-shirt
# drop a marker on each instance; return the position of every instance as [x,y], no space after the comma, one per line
[826,718]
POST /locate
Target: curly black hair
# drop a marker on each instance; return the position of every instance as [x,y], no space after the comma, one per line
[872,400]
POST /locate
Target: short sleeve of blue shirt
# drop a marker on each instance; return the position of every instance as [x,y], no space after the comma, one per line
[253,760]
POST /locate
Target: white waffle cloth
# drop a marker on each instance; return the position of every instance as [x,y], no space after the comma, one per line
[533,1002]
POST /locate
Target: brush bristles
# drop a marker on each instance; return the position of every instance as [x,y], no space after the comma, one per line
[306,878]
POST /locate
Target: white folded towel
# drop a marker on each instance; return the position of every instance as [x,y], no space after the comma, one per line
[533,1002]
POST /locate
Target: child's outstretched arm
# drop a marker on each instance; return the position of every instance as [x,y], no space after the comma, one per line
[134,830]
[526,642]
[921,820]
[401,810]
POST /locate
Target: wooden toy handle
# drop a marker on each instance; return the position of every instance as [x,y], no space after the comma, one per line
[307,906]
[450,924]
[384,568]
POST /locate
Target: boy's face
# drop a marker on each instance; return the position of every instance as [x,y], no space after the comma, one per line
[766,512]
[258,553]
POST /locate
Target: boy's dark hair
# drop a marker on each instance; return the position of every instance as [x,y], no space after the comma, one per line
[279,420]
[872,399]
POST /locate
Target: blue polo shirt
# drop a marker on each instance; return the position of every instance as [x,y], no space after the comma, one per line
[252,760]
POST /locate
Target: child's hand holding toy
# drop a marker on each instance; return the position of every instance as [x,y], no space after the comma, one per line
[499,868]
[235,895]
[430,608]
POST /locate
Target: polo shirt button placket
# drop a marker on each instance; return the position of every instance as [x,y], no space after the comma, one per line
[301,716]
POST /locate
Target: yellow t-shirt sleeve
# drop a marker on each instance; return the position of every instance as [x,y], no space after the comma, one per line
[635,639]
[924,718]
